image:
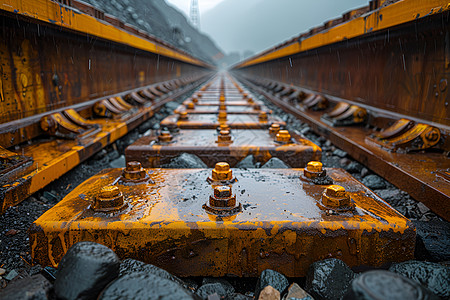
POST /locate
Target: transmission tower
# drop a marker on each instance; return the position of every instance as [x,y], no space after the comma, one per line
[195,15]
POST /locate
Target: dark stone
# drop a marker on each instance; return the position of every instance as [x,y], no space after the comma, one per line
[374,182]
[186,161]
[35,287]
[211,288]
[364,172]
[237,296]
[392,196]
[328,279]
[272,278]
[340,153]
[380,285]
[247,162]
[144,286]
[129,266]
[225,284]
[435,236]
[118,163]
[434,276]
[275,163]
[85,270]
[353,167]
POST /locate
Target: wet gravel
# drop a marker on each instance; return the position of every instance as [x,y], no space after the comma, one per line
[433,233]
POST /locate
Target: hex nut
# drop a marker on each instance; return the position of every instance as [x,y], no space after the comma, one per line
[224,137]
[336,196]
[109,199]
[191,105]
[165,136]
[314,169]
[283,136]
[134,172]
[274,128]
[263,117]
[183,115]
[221,172]
[223,202]
[222,117]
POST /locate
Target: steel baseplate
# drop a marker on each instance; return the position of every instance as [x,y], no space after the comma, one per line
[212,121]
[203,222]
[212,146]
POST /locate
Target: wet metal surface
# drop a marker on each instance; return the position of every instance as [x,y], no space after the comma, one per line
[153,153]
[210,121]
[282,226]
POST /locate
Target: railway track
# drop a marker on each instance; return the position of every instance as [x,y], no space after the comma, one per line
[228,215]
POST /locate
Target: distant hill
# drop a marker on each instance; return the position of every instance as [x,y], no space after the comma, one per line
[162,21]
[255,25]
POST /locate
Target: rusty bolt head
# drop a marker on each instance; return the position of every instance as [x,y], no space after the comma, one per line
[183,115]
[222,116]
[256,107]
[335,196]
[222,172]
[222,98]
[222,191]
[109,191]
[314,166]
[109,199]
[134,172]
[245,95]
[283,136]
[224,137]
[314,169]
[199,95]
[263,116]
[191,105]
[222,198]
[222,107]
[194,100]
[224,127]
[165,136]
[274,128]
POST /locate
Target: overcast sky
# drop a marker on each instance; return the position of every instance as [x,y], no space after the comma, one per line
[256,25]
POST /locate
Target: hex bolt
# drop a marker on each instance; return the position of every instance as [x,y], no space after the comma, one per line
[314,169]
[109,199]
[222,116]
[335,196]
[222,172]
[224,127]
[222,98]
[274,128]
[191,105]
[283,136]
[222,191]
[263,116]
[245,95]
[224,137]
[222,106]
[134,172]
[194,100]
[165,136]
[183,115]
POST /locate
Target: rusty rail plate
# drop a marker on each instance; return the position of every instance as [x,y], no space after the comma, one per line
[178,220]
[152,151]
[210,121]
[416,173]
